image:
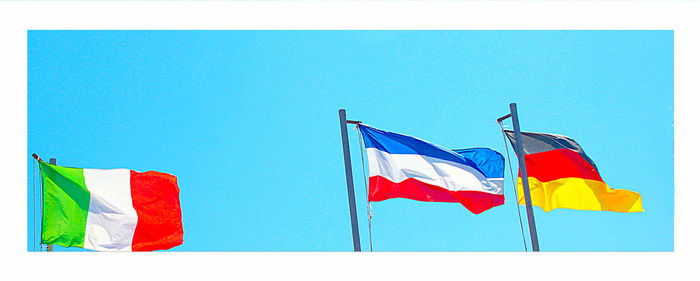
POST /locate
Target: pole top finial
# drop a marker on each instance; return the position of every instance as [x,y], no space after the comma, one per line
[499,120]
[36,157]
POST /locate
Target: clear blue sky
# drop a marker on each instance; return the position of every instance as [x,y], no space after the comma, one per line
[248,122]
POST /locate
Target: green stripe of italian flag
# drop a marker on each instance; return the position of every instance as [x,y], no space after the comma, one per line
[110,210]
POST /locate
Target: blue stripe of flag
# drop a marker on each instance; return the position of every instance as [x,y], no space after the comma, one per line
[490,162]
[401,144]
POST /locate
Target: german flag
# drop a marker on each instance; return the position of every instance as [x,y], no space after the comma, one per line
[561,175]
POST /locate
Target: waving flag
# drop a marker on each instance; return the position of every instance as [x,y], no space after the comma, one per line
[401,166]
[561,175]
[110,210]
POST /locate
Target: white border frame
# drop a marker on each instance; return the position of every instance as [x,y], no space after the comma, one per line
[16,18]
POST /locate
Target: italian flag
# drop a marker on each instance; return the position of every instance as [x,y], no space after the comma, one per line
[110,210]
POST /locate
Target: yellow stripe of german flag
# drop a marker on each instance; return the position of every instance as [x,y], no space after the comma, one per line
[580,194]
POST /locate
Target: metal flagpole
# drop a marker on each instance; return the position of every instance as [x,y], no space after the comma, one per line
[41,199]
[34,206]
[348,179]
[523,172]
[49,247]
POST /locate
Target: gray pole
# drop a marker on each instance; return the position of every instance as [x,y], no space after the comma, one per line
[49,247]
[348,179]
[523,171]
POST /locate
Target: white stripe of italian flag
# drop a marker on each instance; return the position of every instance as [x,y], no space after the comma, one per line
[110,210]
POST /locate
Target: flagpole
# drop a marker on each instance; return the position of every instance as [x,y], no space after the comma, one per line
[348,179]
[523,171]
[41,186]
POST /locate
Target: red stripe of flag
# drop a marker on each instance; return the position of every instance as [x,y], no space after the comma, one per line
[156,198]
[381,189]
[559,163]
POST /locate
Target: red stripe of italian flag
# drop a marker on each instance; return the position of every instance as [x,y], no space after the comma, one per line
[110,210]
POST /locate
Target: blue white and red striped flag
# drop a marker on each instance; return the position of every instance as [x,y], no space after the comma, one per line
[401,166]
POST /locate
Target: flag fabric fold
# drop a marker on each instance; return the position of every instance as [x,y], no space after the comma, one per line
[561,175]
[401,166]
[110,210]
